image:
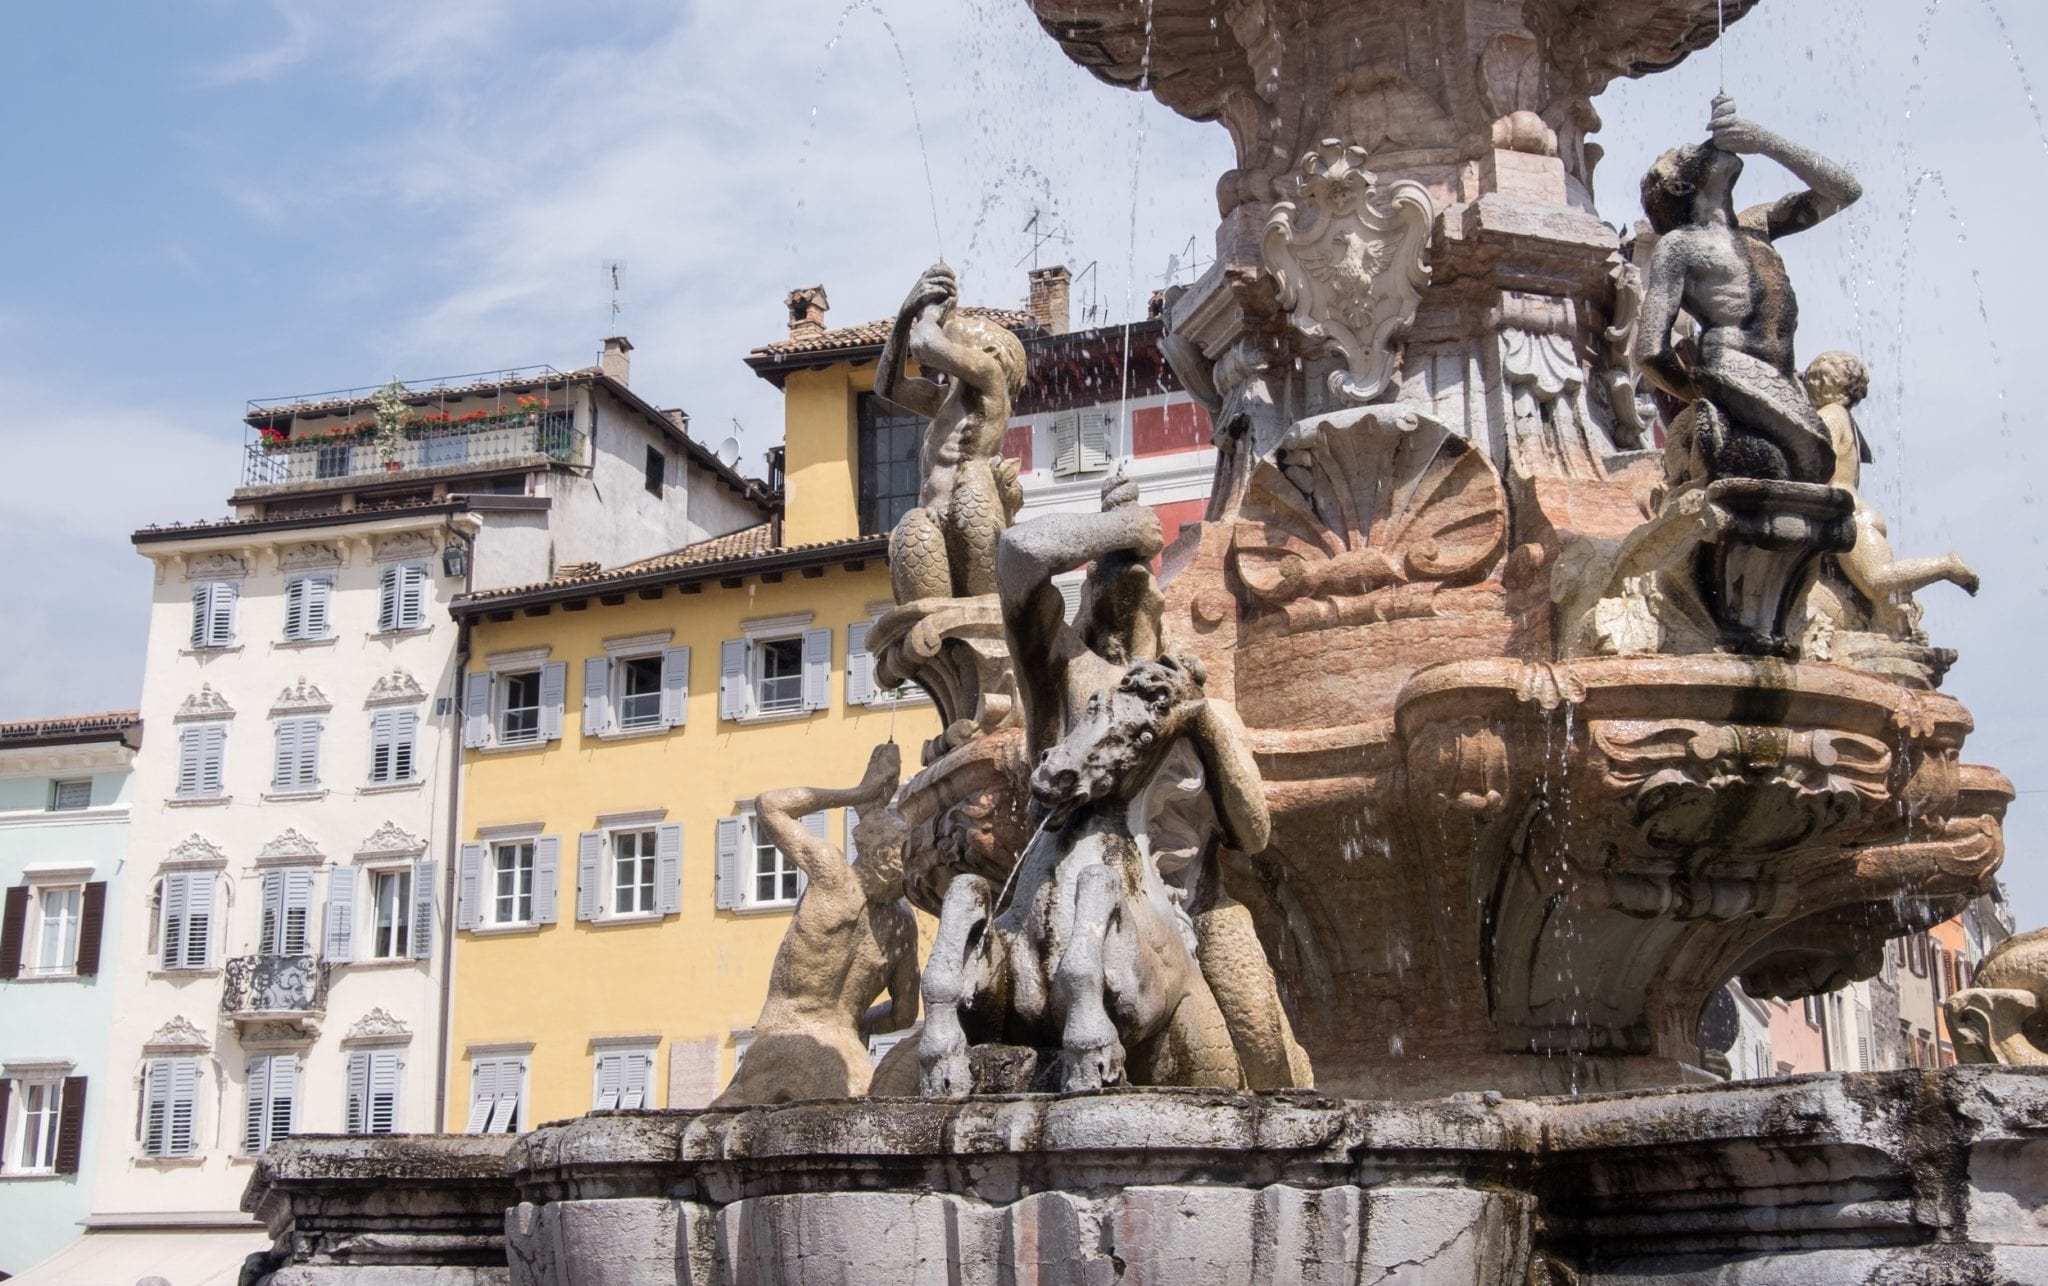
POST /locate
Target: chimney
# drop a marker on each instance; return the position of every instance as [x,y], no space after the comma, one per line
[677,416]
[615,363]
[1049,288]
[807,305]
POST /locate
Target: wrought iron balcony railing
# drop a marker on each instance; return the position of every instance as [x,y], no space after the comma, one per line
[274,988]
[453,448]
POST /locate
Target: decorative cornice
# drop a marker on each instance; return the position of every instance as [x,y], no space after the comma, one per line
[391,839]
[377,1027]
[301,698]
[312,554]
[396,688]
[176,1036]
[197,850]
[204,704]
[289,848]
[218,565]
[406,544]
[282,1033]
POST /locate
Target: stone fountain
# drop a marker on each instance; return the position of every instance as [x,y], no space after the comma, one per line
[1341,903]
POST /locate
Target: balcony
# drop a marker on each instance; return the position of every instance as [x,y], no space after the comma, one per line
[528,438]
[284,990]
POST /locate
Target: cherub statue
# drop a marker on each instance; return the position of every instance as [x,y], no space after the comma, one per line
[1837,382]
[946,547]
[851,938]
[1107,947]
[1722,268]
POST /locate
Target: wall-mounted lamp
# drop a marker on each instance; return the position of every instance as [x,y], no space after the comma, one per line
[454,558]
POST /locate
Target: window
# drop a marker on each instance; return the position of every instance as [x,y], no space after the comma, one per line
[621,1080]
[202,748]
[780,668]
[774,877]
[752,871]
[170,1107]
[31,1137]
[296,764]
[640,692]
[657,470]
[861,688]
[497,1092]
[285,927]
[70,796]
[185,924]
[890,478]
[512,883]
[519,707]
[1080,442]
[394,737]
[306,600]
[632,872]
[58,910]
[373,1091]
[332,461]
[213,613]
[390,915]
[402,597]
[273,1094]
[779,675]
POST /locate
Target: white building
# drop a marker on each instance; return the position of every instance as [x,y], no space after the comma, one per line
[282,960]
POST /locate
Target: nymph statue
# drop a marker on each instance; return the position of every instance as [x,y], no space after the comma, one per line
[1755,420]
[851,939]
[946,547]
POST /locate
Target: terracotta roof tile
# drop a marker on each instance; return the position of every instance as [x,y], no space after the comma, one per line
[110,722]
[734,550]
[871,334]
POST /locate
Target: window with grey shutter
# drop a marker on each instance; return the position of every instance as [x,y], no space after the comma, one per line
[589,874]
[726,886]
[213,613]
[1080,442]
[547,878]
[733,689]
[621,1080]
[554,683]
[306,600]
[185,920]
[468,887]
[273,1088]
[425,873]
[860,666]
[201,750]
[817,669]
[373,1081]
[394,736]
[675,687]
[668,851]
[297,763]
[170,1107]
[597,694]
[340,929]
[495,1088]
[287,912]
[402,597]
[476,710]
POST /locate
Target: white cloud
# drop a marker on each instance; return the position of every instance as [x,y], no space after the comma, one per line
[288,50]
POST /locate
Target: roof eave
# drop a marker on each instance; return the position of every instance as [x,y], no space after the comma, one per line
[469,606]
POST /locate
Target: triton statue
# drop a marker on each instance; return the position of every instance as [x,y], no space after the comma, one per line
[1754,419]
[851,938]
[946,547]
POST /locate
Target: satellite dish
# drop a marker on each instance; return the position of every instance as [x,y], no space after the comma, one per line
[729,452]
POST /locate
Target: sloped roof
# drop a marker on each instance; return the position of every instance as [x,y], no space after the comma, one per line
[751,549]
[108,725]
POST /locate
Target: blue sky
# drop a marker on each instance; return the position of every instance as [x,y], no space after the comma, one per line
[216,200]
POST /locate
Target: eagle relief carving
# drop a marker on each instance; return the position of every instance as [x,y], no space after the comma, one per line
[1349,271]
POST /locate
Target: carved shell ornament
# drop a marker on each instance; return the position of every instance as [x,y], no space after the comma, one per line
[1349,272]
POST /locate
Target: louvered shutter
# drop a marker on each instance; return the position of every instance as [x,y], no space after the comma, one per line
[319,593]
[385,1065]
[817,669]
[256,1116]
[860,667]
[554,683]
[1095,430]
[476,710]
[285,763]
[633,1080]
[505,1108]
[284,1097]
[156,1106]
[547,878]
[183,1134]
[269,934]
[483,1094]
[468,893]
[92,920]
[668,853]
[14,932]
[675,687]
[298,912]
[296,591]
[213,740]
[309,753]
[611,1078]
[70,1124]
[597,694]
[221,614]
[357,1116]
[383,733]
[387,598]
[732,679]
[425,873]
[6,1090]
[589,873]
[341,915]
[851,821]
[816,824]
[412,596]
[727,883]
[191,759]
[171,923]
[199,892]
[1066,444]
[405,745]
[202,603]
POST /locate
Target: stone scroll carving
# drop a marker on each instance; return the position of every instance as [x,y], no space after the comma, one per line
[1350,270]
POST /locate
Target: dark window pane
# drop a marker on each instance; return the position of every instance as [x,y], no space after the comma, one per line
[888,464]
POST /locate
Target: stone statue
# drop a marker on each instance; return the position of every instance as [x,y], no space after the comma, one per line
[946,547]
[1118,914]
[2002,1016]
[851,938]
[1837,382]
[1722,269]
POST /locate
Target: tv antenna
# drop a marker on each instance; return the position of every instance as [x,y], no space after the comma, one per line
[1040,233]
[1091,312]
[614,270]
[1188,257]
